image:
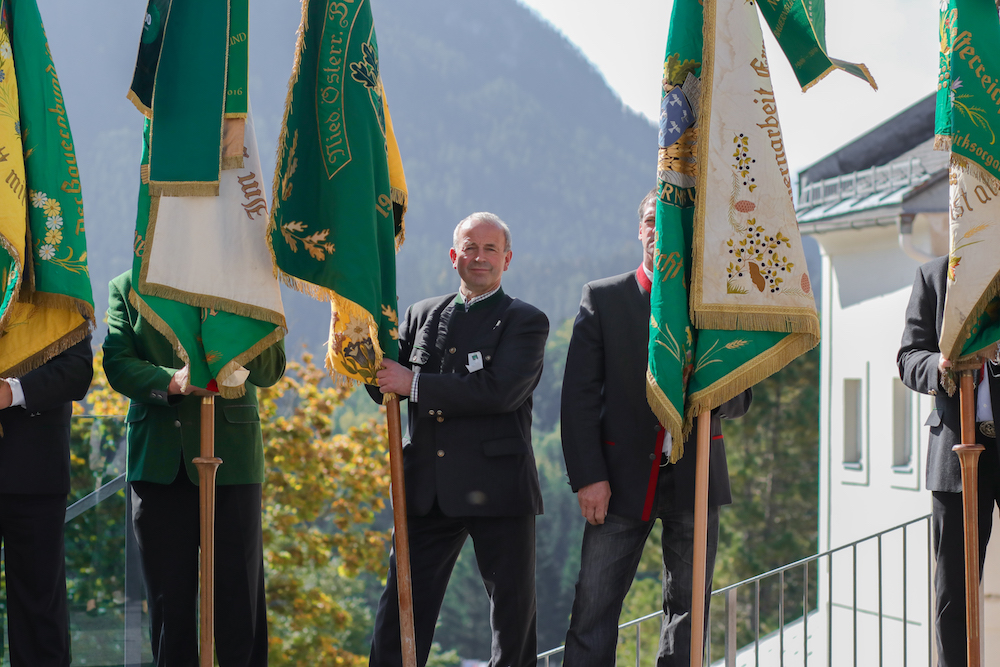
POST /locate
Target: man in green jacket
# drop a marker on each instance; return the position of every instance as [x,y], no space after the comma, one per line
[163,437]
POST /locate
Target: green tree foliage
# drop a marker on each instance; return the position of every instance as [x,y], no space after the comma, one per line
[322,493]
[773,455]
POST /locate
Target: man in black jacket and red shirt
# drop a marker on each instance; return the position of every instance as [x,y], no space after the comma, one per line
[610,439]
[469,364]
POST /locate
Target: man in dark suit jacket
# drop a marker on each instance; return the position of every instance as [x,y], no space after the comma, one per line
[34,484]
[611,440]
[470,362]
[164,435]
[922,368]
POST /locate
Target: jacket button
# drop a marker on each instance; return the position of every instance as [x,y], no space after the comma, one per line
[657,428]
[452,350]
[177,423]
[440,453]
[652,456]
[430,412]
[439,413]
[440,419]
[488,357]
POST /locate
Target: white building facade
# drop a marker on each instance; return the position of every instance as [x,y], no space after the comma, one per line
[878,209]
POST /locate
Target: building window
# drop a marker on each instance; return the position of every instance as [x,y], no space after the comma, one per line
[902,424]
[852,421]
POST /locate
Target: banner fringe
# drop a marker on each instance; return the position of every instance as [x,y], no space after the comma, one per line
[143,109]
[668,416]
[159,324]
[214,303]
[756,370]
[342,307]
[991,292]
[242,360]
[49,351]
[283,134]
[232,162]
[183,188]
[942,142]
[826,72]
[967,166]
[834,67]
[797,320]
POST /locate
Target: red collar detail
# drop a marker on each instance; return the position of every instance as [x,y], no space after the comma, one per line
[643,280]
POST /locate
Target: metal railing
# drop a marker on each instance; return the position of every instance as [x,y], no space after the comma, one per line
[765,625]
[862,183]
[104,583]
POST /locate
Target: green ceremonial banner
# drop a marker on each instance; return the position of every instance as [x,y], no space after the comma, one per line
[968,96]
[967,123]
[800,28]
[221,305]
[339,191]
[731,301]
[193,60]
[47,304]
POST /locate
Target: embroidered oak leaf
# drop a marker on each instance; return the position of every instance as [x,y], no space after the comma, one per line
[675,70]
[366,72]
[316,252]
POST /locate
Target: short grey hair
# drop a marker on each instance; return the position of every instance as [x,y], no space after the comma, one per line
[651,195]
[483,216]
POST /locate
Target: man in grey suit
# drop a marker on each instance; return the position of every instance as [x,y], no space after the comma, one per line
[922,367]
[611,440]
[469,363]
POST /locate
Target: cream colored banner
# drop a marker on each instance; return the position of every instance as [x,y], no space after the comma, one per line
[220,242]
[974,263]
[748,266]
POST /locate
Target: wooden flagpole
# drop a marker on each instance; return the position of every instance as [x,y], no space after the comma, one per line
[208,464]
[968,455]
[401,537]
[699,558]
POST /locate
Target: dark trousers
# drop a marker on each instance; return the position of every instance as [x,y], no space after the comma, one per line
[165,519]
[32,532]
[608,562]
[505,552]
[949,548]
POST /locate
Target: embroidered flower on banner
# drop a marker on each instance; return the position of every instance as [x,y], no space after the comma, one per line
[52,207]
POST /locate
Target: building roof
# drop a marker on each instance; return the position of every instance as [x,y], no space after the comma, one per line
[888,171]
[879,146]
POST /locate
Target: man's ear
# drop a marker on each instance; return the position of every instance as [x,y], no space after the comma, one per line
[506,261]
[454,257]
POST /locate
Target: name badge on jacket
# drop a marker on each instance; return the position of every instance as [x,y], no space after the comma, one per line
[475,362]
